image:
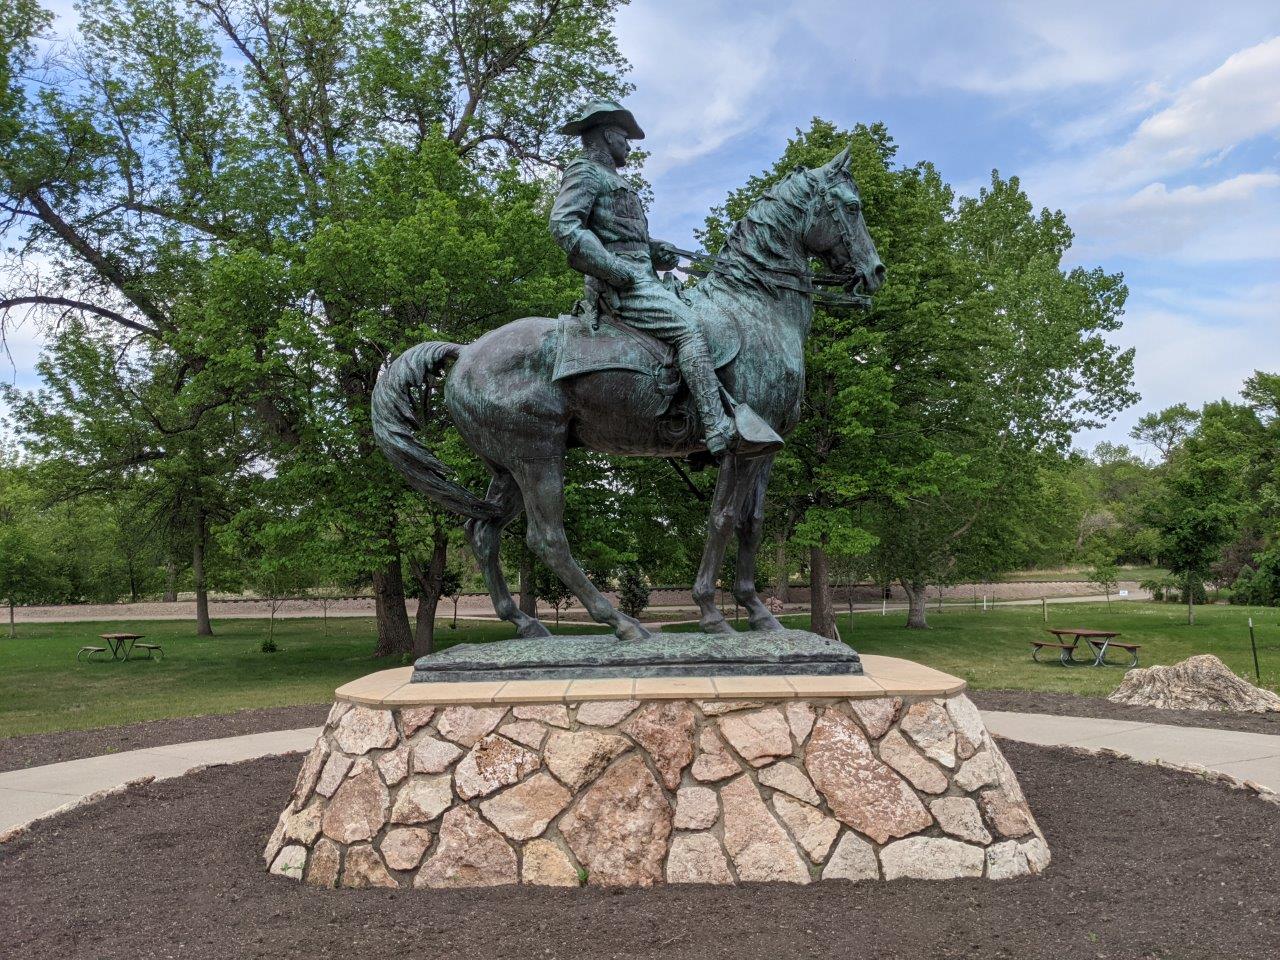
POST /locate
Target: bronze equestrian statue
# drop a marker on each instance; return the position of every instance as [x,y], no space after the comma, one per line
[609,377]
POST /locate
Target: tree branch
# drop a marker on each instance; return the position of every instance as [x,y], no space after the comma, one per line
[99,261]
[108,314]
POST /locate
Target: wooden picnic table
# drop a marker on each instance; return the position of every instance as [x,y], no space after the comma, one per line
[1100,641]
[121,645]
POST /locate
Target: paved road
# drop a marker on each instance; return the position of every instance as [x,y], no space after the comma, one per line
[36,791]
[469,609]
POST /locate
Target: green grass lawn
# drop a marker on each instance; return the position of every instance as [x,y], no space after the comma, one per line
[991,650]
[43,688]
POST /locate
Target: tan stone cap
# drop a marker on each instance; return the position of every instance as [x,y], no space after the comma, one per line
[884,677]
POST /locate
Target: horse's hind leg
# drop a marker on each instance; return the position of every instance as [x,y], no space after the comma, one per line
[486,539]
[750,531]
[725,503]
[542,483]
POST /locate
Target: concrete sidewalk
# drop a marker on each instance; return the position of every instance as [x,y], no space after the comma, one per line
[1245,756]
[38,791]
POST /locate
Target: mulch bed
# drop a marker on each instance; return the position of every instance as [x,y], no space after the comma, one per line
[1176,867]
[1072,705]
[35,749]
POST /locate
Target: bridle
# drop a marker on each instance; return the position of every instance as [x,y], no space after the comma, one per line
[706,265]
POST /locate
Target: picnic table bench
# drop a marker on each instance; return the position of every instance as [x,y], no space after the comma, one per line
[1100,641]
[121,646]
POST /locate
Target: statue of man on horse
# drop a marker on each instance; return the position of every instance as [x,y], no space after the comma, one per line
[599,221]
[525,393]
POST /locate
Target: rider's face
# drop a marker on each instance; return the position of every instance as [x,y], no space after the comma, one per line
[615,140]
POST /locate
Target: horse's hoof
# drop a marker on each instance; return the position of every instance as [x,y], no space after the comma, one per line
[631,632]
[534,628]
[716,626]
[766,623]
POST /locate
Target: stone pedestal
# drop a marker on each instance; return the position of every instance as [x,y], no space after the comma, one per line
[625,782]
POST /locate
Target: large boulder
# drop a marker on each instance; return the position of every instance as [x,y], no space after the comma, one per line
[1197,683]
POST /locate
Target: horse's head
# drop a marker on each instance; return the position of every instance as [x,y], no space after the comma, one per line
[837,235]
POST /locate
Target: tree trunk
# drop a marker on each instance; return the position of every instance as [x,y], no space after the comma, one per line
[13,629]
[528,599]
[1191,603]
[395,638]
[917,614]
[782,587]
[430,579]
[170,579]
[203,627]
[822,615]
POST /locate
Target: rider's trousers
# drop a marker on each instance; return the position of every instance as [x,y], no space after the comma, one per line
[651,307]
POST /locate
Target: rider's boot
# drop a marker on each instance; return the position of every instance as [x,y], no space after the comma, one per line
[700,375]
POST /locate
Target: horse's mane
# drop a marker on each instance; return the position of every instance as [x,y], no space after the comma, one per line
[762,241]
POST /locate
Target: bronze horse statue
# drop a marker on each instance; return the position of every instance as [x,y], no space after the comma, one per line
[520,413]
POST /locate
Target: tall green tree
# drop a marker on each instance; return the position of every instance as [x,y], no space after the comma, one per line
[200,175]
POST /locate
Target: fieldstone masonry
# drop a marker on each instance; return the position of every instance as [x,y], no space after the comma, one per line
[637,793]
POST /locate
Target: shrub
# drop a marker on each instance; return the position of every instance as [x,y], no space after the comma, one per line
[269,645]
[633,592]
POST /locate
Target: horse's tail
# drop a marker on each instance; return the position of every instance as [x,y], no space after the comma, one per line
[394,422]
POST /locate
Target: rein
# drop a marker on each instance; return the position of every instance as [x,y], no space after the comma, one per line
[811,280]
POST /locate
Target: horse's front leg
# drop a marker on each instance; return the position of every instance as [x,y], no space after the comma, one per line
[720,524]
[750,532]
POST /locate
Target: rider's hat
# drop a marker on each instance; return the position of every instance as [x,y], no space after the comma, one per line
[598,112]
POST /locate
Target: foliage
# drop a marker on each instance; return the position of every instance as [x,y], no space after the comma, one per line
[1106,576]
[551,589]
[633,591]
[202,178]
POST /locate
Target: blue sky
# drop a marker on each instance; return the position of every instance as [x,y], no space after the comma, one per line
[1154,126]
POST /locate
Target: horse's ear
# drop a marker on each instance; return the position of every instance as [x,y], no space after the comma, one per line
[840,162]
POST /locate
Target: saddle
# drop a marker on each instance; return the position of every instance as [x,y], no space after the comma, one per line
[592,339]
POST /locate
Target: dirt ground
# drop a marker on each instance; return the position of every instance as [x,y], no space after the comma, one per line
[1173,868]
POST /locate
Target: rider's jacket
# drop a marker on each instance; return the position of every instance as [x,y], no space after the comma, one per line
[598,215]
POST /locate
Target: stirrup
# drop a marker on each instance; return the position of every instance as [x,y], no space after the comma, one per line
[755,438]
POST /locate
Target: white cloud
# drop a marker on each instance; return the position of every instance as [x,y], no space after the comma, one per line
[697,83]
[1229,106]
[1184,355]
[1233,219]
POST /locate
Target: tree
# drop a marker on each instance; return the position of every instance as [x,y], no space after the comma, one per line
[633,591]
[551,588]
[1165,429]
[1106,576]
[929,421]
[451,587]
[203,176]
[23,568]
[112,421]
[1195,515]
